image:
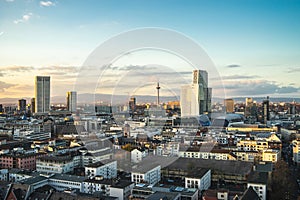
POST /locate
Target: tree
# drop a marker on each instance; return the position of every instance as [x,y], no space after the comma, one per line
[127,147]
[283,182]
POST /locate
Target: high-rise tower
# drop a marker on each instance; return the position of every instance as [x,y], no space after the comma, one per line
[266,109]
[195,99]
[42,94]
[72,101]
[22,105]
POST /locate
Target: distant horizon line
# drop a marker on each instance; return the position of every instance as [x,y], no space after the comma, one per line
[107,99]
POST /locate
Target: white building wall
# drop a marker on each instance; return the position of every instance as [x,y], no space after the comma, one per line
[189,100]
[62,185]
[137,155]
[3,174]
[152,176]
[260,189]
[202,183]
[53,167]
[117,192]
[90,188]
[108,170]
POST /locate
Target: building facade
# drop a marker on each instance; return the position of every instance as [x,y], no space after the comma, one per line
[106,169]
[151,175]
[196,97]
[22,105]
[201,182]
[42,94]
[229,105]
[72,101]
[54,164]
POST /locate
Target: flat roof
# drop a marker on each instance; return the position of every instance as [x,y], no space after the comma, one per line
[258,177]
[100,163]
[33,180]
[224,166]
[115,184]
[67,177]
[163,195]
[264,167]
[151,162]
[197,173]
[55,158]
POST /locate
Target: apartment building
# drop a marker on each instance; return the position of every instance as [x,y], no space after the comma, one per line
[147,173]
[106,168]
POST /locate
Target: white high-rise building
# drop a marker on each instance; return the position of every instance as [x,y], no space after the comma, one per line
[188,100]
[195,99]
[42,94]
[72,101]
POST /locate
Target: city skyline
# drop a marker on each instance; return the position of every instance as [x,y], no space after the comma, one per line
[248,45]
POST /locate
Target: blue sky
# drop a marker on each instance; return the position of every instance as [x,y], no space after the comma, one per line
[254,44]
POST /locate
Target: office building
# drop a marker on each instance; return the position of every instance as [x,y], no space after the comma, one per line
[146,173]
[72,101]
[266,110]
[229,105]
[22,105]
[132,105]
[1,108]
[199,179]
[42,94]
[195,99]
[105,168]
[32,106]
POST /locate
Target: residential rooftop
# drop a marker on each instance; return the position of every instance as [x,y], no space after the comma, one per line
[258,177]
[225,166]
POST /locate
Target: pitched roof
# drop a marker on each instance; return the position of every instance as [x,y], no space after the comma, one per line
[250,194]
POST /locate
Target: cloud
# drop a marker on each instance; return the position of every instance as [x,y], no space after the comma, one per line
[233,66]
[24,18]
[9,0]
[1,33]
[132,79]
[237,77]
[293,70]
[4,86]
[149,70]
[72,69]
[256,87]
[1,74]
[23,87]
[17,68]
[60,71]
[46,3]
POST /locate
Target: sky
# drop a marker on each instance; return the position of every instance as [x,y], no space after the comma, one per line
[254,44]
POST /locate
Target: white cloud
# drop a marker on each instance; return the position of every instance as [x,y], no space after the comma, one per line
[9,0]
[4,86]
[46,3]
[24,18]
[1,33]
